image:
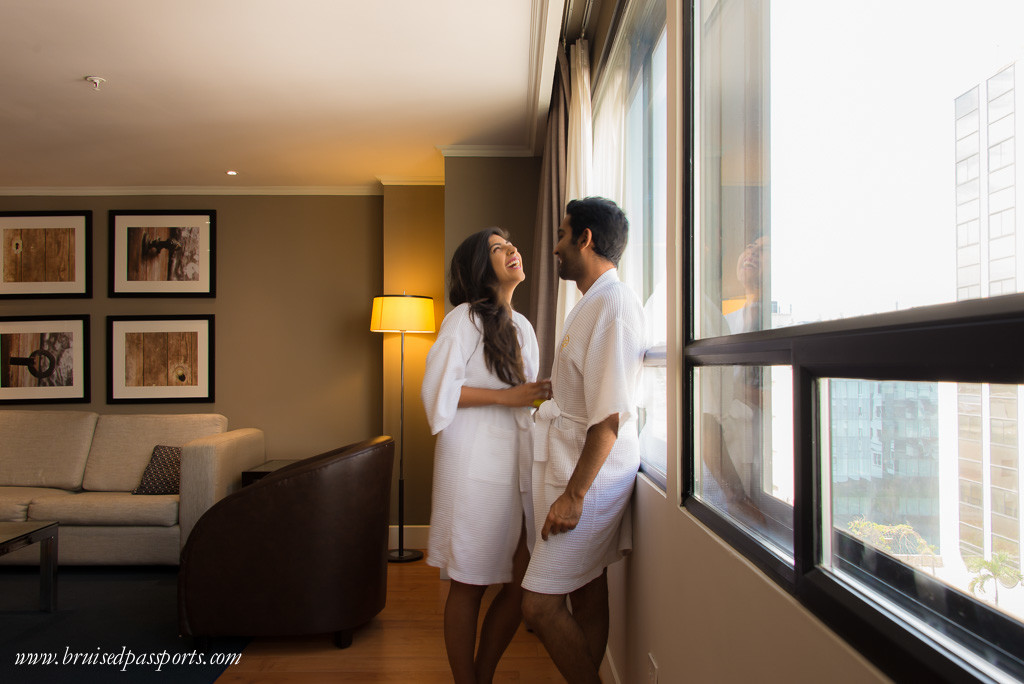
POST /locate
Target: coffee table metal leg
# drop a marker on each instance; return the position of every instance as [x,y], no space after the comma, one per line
[48,574]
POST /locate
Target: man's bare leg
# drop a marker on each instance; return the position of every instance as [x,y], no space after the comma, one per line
[561,635]
[503,617]
[461,612]
[590,609]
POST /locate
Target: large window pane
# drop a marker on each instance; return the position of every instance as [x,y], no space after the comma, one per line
[745,444]
[828,187]
[630,143]
[927,474]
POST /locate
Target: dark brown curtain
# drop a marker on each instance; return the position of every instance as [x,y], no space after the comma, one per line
[550,210]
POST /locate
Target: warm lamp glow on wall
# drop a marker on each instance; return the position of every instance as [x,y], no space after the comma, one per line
[402,314]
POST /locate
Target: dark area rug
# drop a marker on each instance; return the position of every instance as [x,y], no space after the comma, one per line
[119,623]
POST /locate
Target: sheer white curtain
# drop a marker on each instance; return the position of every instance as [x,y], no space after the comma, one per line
[579,158]
[630,142]
[610,136]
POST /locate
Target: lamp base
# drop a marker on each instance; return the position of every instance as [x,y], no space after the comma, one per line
[404,555]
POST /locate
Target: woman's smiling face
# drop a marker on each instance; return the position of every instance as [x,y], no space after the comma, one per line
[506,261]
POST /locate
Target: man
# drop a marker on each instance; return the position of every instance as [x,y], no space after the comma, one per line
[586,452]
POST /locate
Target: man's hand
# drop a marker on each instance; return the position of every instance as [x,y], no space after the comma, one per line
[563,516]
[567,509]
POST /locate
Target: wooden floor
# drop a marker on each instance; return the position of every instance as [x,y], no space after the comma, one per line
[404,644]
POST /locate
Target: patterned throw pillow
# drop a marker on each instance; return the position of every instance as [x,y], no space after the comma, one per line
[163,474]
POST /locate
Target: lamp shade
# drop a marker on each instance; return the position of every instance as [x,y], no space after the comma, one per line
[402,313]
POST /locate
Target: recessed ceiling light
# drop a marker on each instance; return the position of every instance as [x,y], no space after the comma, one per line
[232,173]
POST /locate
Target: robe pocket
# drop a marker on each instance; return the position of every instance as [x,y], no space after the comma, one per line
[493,455]
[564,448]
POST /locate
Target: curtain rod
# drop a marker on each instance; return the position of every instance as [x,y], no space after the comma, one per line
[584,24]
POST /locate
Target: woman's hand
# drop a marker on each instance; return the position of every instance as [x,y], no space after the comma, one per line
[520,395]
[527,393]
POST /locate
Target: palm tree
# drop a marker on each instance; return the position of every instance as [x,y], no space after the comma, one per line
[1003,568]
[901,541]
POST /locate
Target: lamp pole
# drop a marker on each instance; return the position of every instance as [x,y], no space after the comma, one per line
[401,314]
[402,555]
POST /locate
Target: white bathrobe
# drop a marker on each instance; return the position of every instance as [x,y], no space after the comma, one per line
[483,455]
[595,373]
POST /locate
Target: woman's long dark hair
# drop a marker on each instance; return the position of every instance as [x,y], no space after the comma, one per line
[472,279]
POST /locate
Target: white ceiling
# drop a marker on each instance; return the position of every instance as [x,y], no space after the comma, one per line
[335,95]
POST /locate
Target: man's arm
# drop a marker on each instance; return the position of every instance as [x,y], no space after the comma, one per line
[565,512]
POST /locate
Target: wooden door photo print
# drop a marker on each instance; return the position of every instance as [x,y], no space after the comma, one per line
[163,254]
[159,359]
[44,359]
[45,254]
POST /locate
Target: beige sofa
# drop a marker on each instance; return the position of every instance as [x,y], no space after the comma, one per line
[80,468]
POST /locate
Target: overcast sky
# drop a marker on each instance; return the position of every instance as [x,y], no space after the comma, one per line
[862,146]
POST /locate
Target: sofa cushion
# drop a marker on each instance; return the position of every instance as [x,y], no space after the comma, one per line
[14,501]
[45,448]
[163,474]
[123,444]
[107,508]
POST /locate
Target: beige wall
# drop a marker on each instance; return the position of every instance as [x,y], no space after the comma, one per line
[485,192]
[413,264]
[295,279]
[708,615]
[296,276]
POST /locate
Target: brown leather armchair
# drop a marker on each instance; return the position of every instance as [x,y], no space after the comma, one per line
[301,551]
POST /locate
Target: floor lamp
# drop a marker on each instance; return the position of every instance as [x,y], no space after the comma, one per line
[401,314]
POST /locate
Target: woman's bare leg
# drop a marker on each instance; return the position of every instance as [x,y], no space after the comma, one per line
[503,617]
[461,612]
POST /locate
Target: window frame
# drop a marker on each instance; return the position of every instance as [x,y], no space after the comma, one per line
[960,342]
[970,341]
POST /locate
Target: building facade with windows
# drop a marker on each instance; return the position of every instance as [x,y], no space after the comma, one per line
[988,244]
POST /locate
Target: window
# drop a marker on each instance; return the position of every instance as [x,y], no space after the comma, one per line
[630,151]
[853,379]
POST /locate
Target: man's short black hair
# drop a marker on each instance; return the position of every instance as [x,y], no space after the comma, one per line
[608,225]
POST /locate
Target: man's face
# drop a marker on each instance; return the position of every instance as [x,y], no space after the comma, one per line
[570,261]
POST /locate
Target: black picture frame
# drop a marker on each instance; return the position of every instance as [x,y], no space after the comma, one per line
[162,253]
[160,359]
[45,254]
[44,359]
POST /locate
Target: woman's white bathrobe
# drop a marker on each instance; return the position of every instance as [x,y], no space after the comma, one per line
[483,456]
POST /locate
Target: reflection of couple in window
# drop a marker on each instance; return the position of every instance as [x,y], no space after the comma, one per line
[750,273]
[733,450]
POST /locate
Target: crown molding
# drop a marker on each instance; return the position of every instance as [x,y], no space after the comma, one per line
[411,180]
[486,151]
[372,189]
[545,29]
[546,26]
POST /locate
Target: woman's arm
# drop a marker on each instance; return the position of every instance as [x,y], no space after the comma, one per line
[520,395]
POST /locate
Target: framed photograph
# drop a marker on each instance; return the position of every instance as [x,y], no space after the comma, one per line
[45,254]
[163,254]
[159,359]
[44,359]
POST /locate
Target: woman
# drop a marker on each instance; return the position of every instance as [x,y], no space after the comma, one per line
[477,390]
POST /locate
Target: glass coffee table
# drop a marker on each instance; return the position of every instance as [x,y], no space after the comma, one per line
[16,535]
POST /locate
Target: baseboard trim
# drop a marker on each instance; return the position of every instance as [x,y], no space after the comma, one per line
[609,673]
[415,536]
